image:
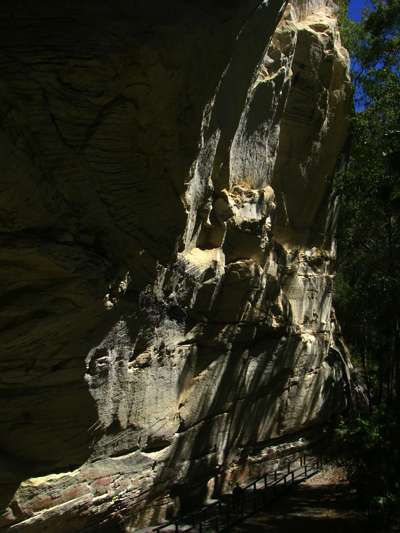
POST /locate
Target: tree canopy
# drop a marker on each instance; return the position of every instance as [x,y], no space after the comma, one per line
[368,283]
[368,288]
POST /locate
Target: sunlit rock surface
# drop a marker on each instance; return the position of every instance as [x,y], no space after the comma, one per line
[167,253]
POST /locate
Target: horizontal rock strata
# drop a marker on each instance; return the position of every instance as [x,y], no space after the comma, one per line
[167,253]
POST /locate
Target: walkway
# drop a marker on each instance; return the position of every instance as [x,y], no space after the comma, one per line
[224,514]
[322,504]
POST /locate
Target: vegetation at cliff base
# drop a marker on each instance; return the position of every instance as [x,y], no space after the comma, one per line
[368,283]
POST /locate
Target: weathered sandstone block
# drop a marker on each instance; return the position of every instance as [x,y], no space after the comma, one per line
[167,254]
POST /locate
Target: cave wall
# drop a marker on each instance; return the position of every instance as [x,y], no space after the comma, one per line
[167,253]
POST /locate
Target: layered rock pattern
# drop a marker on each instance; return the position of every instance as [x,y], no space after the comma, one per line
[167,251]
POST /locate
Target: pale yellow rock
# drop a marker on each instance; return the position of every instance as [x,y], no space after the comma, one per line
[167,252]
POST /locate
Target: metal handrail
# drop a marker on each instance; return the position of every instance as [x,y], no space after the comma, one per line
[223,513]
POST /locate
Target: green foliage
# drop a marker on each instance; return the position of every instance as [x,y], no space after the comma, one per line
[382,43]
[350,31]
[368,446]
[368,286]
[367,292]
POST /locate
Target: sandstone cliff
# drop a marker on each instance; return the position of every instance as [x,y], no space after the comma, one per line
[167,251]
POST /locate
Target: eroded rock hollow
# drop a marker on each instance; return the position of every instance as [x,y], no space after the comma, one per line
[167,253]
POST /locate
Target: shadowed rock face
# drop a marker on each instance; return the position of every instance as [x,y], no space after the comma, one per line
[167,250]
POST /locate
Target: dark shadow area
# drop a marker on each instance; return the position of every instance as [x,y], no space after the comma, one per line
[85,185]
[312,509]
[49,419]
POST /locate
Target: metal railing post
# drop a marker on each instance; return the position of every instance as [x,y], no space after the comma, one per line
[265,489]
[219,513]
[224,515]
